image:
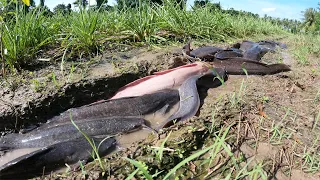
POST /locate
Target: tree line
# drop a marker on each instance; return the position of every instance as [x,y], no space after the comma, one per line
[309,24]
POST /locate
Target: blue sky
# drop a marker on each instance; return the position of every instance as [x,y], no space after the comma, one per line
[276,8]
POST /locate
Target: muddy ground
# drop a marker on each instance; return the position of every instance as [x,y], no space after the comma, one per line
[273,118]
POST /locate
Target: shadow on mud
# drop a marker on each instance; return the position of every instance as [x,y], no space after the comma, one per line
[69,96]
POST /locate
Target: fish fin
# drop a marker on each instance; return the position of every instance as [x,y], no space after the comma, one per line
[107,100]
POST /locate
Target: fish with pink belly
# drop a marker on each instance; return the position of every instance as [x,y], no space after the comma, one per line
[172,78]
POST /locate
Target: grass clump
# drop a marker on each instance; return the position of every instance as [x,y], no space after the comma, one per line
[81,32]
[24,36]
[86,32]
[304,47]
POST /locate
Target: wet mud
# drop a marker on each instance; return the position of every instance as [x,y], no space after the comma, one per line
[255,107]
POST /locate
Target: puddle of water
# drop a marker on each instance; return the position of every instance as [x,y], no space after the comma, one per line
[153,121]
[157,118]
[126,140]
[13,154]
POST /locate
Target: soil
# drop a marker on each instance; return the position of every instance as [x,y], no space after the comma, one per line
[272,117]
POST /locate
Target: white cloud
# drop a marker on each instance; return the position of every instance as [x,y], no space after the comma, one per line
[268,9]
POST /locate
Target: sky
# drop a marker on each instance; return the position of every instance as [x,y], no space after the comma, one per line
[290,9]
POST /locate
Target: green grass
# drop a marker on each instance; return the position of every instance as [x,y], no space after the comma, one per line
[304,46]
[95,148]
[25,36]
[86,32]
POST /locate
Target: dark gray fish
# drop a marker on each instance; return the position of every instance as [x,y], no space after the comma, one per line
[254,53]
[205,53]
[235,49]
[270,45]
[131,106]
[225,54]
[234,66]
[187,48]
[236,46]
[53,157]
[245,45]
[42,137]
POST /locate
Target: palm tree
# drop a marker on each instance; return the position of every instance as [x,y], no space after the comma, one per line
[309,16]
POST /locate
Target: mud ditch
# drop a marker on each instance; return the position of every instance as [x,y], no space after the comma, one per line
[22,106]
[263,104]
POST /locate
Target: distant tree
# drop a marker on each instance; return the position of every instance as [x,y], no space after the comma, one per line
[62,9]
[309,16]
[101,3]
[203,3]
[310,20]
[135,3]
[81,3]
[200,3]
[69,8]
[41,3]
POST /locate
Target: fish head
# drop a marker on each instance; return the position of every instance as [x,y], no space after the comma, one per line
[208,69]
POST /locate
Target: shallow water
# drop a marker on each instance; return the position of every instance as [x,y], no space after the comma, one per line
[13,154]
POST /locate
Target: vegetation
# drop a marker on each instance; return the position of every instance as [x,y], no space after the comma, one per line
[86,32]
[27,32]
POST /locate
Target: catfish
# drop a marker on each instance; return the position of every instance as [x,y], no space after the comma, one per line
[189,99]
[236,66]
[138,106]
[42,137]
[171,78]
[52,157]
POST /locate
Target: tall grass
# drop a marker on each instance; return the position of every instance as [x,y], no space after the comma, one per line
[82,33]
[25,35]
[304,46]
[86,31]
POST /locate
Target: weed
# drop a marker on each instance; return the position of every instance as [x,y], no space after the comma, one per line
[159,153]
[83,171]
[236,97]
[37,86]
[91,142]
[85,32]
[71,73]
[25,36]
[216,146]
[141,167]
[278,131]
[55,82]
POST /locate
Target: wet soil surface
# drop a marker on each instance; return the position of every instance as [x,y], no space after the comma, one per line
[35,96]
[272,119]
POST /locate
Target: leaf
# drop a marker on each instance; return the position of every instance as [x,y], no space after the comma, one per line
[162,146]
[26,2]
[140,167]
[132,174]
[198,154]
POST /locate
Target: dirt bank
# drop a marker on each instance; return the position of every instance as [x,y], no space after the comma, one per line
[263,126]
